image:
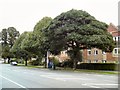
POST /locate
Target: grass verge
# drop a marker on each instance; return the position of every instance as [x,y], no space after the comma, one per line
[77,70]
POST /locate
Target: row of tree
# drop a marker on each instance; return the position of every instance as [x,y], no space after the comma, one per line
[73,31]
[31,44]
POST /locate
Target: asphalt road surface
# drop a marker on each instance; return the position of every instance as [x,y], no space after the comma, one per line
[22,77]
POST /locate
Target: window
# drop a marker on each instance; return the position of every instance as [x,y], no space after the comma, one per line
[118,38]
[115,38]
[96,52]
[89,52]
[116,51]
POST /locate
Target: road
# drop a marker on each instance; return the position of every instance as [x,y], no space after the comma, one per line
[22,77]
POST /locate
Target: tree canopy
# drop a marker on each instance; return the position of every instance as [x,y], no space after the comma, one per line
[34,41]
[8,38]
[17,50]
[43,23]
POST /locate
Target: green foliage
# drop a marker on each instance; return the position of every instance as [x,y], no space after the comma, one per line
[3,36]
[14,59]
[17,50]
[5,51]
[34,40]
[17,45]
[77,27]
[43,23]
[77,56]
[8,38]
[39,32]
[55,60]
[29,42]
[13,34]
[34,62]
[68,63]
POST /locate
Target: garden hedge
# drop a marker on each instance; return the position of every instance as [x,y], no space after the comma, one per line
[98,66]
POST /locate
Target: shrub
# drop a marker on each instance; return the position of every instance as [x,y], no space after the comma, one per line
[54,60]
[68,63]
[14,59]
[34,62]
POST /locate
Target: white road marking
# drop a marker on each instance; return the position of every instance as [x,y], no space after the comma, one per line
[47,76]
[101,84]
[90,86]
[13,81]
[64,77]
[99,75]
[72,78]
[94,85]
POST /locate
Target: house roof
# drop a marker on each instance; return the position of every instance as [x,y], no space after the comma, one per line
[114,30]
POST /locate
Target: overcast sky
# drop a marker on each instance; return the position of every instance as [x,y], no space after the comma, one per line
[24,14]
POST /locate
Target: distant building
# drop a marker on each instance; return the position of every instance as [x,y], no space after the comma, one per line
[116,37]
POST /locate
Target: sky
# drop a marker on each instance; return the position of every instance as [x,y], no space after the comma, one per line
[24,14]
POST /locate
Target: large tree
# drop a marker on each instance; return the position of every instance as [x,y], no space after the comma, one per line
[8,37]
[38,30]
[35,41]
[75,30]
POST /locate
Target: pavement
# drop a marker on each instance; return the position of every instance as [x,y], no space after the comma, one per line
[22,77]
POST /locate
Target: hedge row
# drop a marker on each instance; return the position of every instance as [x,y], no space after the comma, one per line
[98,66]
[91,66]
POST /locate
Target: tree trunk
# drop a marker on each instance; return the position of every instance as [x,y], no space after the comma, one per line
[74,64]
[45,60]
[4,60]
[25,62]
[8,60]
[75,59]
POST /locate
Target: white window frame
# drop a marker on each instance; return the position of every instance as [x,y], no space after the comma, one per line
[89,50]
[95,52]
[115,52]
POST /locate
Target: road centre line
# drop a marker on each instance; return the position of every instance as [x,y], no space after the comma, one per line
[14,82]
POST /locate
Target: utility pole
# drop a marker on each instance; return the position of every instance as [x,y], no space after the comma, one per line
[47,58]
